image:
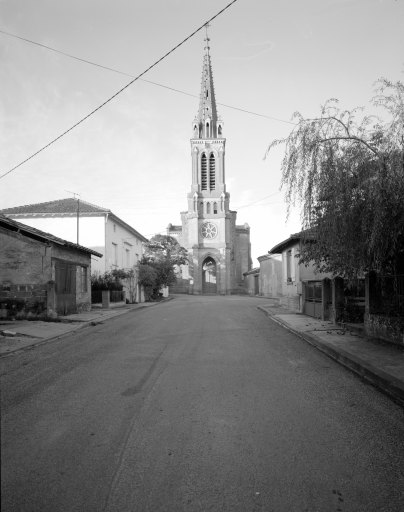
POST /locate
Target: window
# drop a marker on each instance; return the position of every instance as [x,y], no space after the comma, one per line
[215,208]
[212,176]
[208,208]
[204,173]
[314,291]
[83,273]
[114,254]
[127,257]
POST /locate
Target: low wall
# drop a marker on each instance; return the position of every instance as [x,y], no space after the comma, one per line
[385,328]
[180,286]
[23,300]
[290,302]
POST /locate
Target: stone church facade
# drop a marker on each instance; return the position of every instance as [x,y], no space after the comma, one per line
[219,250]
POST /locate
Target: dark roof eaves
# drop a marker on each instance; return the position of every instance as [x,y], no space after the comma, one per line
[277,249]
[29,230]
[255,270]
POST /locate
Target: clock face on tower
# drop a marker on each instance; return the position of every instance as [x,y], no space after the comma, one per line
[209,230]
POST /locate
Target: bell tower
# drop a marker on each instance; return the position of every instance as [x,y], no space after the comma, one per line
[209,231]
[208,147]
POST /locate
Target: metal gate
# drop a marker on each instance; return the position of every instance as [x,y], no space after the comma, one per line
[209,276]
[65,274]
[313,302]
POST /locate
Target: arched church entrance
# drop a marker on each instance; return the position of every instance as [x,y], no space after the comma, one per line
[209,284]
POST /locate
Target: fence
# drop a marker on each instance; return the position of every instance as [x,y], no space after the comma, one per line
[388,295]
[114,296]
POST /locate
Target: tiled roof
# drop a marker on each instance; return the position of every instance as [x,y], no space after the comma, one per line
[65,208]
[252,271]
[60,206]
[306,234]
[37,234]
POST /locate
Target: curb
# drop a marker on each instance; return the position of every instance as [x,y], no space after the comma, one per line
[84,324]
[386,383]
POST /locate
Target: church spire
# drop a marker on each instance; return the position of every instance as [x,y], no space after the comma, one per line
[207,124]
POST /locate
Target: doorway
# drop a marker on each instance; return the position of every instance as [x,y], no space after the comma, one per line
[65,274]
[209,283]
[313,301]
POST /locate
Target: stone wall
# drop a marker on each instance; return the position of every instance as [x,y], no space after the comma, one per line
[251,282]
[386,328]
[25,269]
[23,300]
[270,276]
[291,302]
[27,275]
[242,254]
[180,286]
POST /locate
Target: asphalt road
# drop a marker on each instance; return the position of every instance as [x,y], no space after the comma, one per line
[197,404]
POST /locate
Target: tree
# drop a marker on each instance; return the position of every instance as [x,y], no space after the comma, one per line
[148,279]
[129,279]
[347,174]
[165,248]
[107,281]
[162,254]
[115,280]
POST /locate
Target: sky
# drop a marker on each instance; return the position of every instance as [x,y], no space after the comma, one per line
[269,57]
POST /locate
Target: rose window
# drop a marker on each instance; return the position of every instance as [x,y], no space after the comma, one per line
[209,230]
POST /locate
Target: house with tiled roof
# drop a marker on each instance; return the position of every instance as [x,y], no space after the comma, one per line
[95,227]
[41,274]
[303,289]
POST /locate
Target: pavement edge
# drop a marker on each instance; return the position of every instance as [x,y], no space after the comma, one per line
[78,328]
[386,383]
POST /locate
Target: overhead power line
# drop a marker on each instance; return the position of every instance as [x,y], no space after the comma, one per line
[120,90]
[70,56]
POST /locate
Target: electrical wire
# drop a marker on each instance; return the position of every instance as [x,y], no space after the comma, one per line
[120,90]
[69,55]
[258,201]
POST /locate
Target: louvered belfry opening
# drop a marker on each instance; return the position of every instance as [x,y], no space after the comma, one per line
[204,173]
[212,172]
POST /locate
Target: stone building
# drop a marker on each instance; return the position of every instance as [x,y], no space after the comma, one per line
[41,274]
[219,250]
[84,223]
[303,288]
[95,227]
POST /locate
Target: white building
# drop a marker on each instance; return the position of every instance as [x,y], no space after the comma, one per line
[88,225]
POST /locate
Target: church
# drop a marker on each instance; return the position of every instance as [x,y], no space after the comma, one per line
[219,251]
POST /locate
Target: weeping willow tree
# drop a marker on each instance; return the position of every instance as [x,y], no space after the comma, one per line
[345,170]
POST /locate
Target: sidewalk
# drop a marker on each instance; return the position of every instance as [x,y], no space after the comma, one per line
[380,364]
[23,334]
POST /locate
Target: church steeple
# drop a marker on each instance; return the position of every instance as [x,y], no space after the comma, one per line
[218,249]
[207,124]
[208,149]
